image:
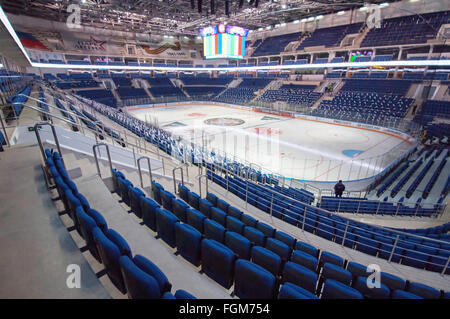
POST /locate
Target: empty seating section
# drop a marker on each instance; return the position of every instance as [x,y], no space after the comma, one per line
[244,92]
[101,96]
[406,30]
[135,275]
[364,107]
[292,94]
[275,45]
[161,87]
[436,108]
[329,37]
[372,240]
[256,268]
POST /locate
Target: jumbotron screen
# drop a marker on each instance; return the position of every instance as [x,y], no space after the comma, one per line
[224,42]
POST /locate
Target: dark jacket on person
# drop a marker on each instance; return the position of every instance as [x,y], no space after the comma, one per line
[339,188]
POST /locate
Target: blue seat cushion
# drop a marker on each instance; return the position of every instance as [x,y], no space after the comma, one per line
[150,268]
[304,259]
[291,291]
[253,281]
[218,262]
[300,276]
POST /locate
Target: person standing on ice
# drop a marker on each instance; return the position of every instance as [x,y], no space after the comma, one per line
[339,188]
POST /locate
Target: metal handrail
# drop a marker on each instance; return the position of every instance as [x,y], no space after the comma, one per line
[174,178]
[149,169]
[96,158]
[38,136]
[200,184]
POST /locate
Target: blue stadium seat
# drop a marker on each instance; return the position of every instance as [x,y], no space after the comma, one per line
[109,254]
[87,225]
[214,230]
[165,225]
[300,276]
[218,262]
[179,208]
[255,236]
[266,259]
[253,281]
[333,289]
[166,199]
[195,219]
[291,291]
[212,199]
[382,292]
[357,270]
[307,248]
[331,271]
[327,257]
[138,283]
[234,225]
[240,245]
[205,207]
[135,195]
[285,238]
[218,215]
[279,248]
[124,186]
[98,218]
[156,190]
[222,205]
[183,192]
[304,259]
[393,282]
[267,230]
[401,294]
[234,212]
[248,220]
[193,200]
[423,291]
[148,208]
[188,241]
[150,268]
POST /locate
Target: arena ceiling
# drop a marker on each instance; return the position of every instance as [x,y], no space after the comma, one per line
[179,17]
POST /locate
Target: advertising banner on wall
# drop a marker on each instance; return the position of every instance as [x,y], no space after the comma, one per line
[90,44]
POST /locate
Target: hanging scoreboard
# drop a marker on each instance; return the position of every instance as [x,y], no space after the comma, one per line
[224,42]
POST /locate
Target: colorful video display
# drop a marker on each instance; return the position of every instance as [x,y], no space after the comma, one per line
[224,42]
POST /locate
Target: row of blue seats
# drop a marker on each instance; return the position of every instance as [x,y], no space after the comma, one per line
[64,112]
[364,206]
[231,245]
[107,130]
[135,275]
[406,177]
[368,239]
[419,178]
[391,178]
[201,240]
[18,100]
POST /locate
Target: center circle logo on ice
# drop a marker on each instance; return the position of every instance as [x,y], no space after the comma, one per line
[224,121]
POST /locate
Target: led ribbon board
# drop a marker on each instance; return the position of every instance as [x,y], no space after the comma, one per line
[224,42]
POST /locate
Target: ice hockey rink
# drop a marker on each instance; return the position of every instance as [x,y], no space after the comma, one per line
[294,148]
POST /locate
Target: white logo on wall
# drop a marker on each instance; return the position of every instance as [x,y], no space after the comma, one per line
[74,279]
[74,19]
[374,279]
[373,16]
